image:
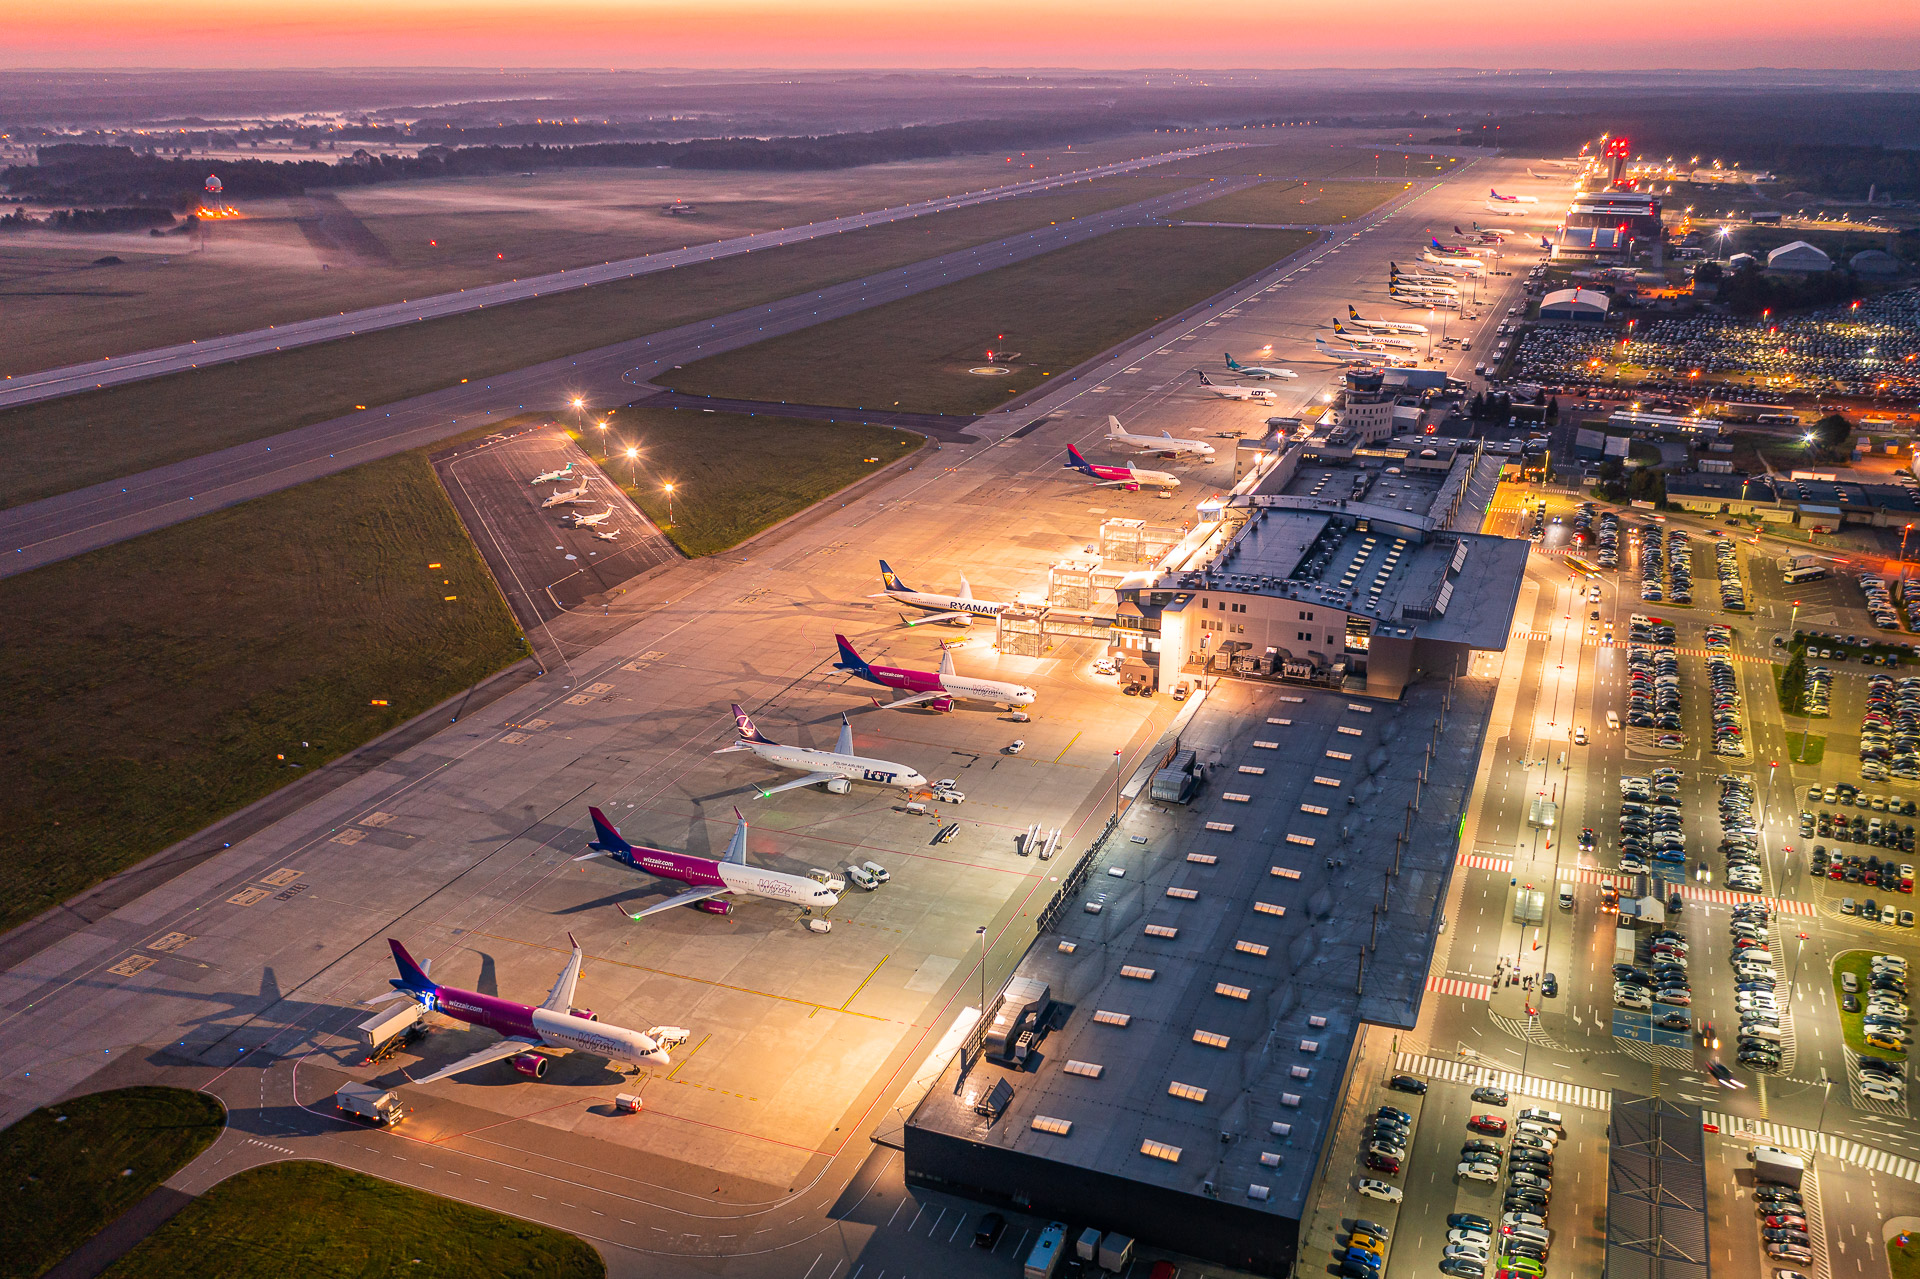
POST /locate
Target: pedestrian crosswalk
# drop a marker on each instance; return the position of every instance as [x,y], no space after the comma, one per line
[1593,875]
[1463,1072]
[1480,862]
[1456,986]
[1723,897]
[1820,1143]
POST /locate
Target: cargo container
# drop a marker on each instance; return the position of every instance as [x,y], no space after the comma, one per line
[1770,1163]
[384,1031]
[375,1105]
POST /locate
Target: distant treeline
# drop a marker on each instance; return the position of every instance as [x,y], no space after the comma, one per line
[81,174]
[135,218]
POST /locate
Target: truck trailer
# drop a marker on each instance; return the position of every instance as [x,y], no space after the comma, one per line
[375,1105]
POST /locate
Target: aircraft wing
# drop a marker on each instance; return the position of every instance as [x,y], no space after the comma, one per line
[560,998]
[811,779]
[687,898]
[916,699]
[922,621]
[494,1052]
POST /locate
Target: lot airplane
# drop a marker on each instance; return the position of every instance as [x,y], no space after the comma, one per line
[567,497]
[548,477]
[710,880]
[1382,326]
[1454,266]
[838,768]
[1234,392]
[1375,339]
[1256,371]
[1129,477]
[945,608]
[553,1024]
[1165,442]
[939,689]
[595,520]
[1510,199]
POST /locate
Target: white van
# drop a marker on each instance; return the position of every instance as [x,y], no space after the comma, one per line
[1613,721]
[1769,1033]
[879,872]
[1545,1118]
[859,876]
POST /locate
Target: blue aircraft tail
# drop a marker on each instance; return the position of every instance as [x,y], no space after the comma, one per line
[413,979]
[891,580]
[850,660]
[1231,362]
[1078,463]
[607,839]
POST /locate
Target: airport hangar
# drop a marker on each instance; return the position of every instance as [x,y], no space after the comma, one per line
[1169,1057]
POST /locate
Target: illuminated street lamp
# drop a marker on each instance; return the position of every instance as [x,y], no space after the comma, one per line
[669,487]
[633,455]
[578,403]
[602,424]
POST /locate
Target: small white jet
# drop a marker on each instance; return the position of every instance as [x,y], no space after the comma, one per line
[607,534]
[945,608]
[838,768]
[1256,370]
[1165,442]
[593,521]
[1374,340]
[1235,392]
[567,497]
[548,477]
[1355,319]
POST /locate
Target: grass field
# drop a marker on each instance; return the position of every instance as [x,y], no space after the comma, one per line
[56,446]
[734,475]
[1807,749]
[71,1168]
[291,259]
[1309,156]
[1860,964]
[1313,203]
[1903,1262]
[299,1219]
[1041,317]
[156,685]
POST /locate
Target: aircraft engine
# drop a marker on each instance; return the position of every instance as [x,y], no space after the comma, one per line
[532,1065]
[839,786]
[715,907]
[586,1013]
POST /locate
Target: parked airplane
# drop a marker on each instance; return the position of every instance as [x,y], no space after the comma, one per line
[709,880]
[567,497]
[593,521]
[1504,210]
[1165,442]
[554,1024]
[607,534]
[943,607]
[1256,371]
[547,477]
[1394,273]
[939,689]
[1546,244]
[1375,340]
[1489,234]
[1353,355]
[1235,392]
[1479,252]
[1510,199]
[839,768]
[1453,266]
[1381,326]
[1129,477]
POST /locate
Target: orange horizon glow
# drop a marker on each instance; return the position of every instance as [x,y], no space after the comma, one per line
[834,34]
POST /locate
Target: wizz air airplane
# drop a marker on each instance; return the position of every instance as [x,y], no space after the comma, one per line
[548,477]
[1354,355]
[567,497]
[1256,370]
[1165,442]
[710,880]
[552,1024]
[838,768]
[1234,392]
[1546,244]
[1476,251]
[939,689]
[945,608]
[1381,326]
[1374,340]
[1129,477]
[1510,199]
[595,520]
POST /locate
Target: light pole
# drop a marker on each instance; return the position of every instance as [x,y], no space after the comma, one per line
[602,424]
[633,455]
[1904,530]
[982,931]
[669,488]
[578,404]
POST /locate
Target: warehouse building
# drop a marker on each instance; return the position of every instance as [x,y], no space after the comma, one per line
[1169,1058]
[1798,256]
[1582,305]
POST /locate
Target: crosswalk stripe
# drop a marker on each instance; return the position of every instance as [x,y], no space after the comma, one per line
[1480,862]
[1464,989]
[1869,1157]
[1460,1072]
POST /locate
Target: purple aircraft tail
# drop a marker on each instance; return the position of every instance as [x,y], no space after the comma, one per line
[607,836]
[849,660]
[413,979]
[748,733]
[1079,463]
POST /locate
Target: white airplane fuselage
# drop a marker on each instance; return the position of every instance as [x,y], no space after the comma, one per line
[1116,434]
[933,603]
[854,768]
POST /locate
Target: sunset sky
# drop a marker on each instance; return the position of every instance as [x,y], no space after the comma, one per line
[1876,34]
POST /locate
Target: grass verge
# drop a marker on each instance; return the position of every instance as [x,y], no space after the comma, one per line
[1860,964]
[1903,1262]
[734,474]
[157,685]
[71,1168]
[1309,202]
[1806,748]
[79,440]
[301,1218]
[1040,317]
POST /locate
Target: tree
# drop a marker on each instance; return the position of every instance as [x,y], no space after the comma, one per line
[1793,683]
[1830,435]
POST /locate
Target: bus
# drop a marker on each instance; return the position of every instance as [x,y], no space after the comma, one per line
[1778,419]
[1805,573]
[1048,1250]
